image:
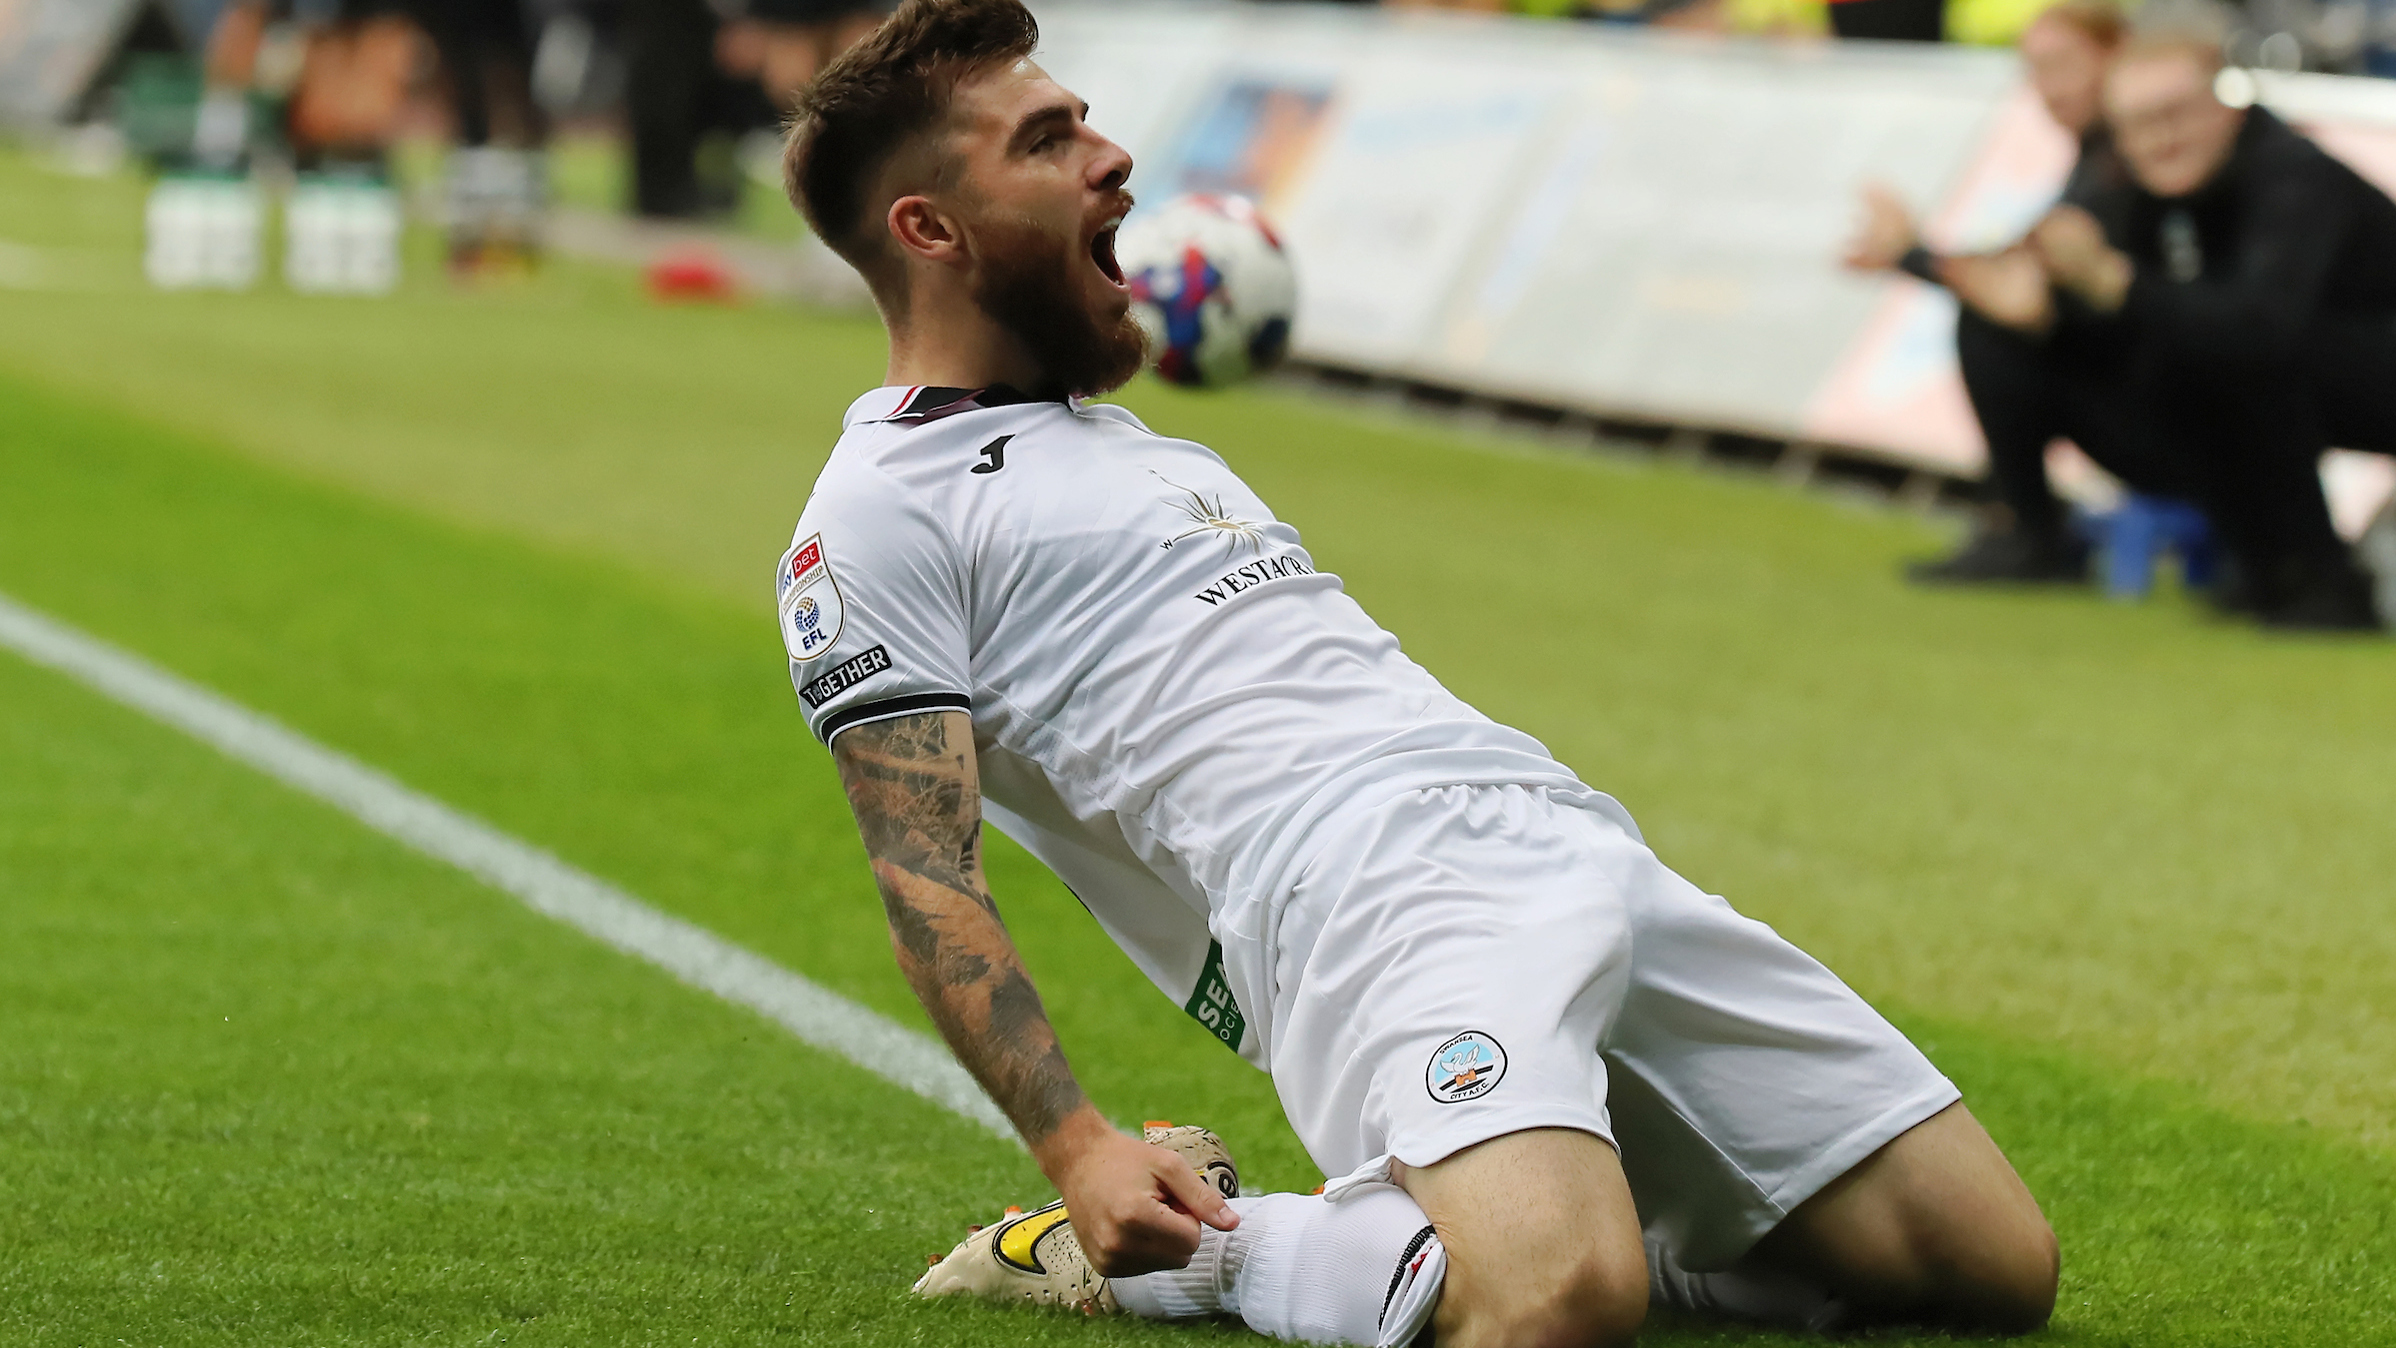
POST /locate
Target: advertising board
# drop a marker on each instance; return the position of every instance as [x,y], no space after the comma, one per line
[50,50]
[1623,222]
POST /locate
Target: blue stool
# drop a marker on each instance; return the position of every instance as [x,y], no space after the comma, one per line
[2132,537]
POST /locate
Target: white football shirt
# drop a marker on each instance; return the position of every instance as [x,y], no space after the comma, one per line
[1166,694]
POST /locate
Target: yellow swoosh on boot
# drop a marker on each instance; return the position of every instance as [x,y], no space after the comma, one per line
[1019,1244]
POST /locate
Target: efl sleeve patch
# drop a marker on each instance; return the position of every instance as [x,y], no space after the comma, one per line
[871,601]
[812,611]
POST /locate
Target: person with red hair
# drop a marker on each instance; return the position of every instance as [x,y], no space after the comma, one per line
[2066,52]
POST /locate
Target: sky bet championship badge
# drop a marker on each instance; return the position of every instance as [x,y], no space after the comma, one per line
[810,600]
[1466,1067]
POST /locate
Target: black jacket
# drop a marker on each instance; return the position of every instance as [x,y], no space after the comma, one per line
[2240,270]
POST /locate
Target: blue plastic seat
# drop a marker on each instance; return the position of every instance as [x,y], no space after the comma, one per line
[2133,537]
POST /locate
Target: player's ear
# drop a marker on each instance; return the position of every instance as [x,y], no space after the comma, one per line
[925,231]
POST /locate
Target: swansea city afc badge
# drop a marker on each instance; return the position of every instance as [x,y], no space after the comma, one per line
[809,600]
[1466,1067]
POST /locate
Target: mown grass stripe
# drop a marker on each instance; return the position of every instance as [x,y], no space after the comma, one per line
[543,882]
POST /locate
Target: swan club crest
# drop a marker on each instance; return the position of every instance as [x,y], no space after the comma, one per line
[1466,1067]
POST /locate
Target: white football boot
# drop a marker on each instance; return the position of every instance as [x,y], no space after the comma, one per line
[1202,1149]
[1033,1257]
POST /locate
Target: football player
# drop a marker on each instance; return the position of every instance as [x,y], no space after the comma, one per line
[1553,1080]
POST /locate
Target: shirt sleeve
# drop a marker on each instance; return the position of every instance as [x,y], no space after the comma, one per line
[871,601]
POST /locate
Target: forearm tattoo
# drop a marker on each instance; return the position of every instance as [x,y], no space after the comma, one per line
[918,805]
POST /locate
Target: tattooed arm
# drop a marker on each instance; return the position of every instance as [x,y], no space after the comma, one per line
[915,787]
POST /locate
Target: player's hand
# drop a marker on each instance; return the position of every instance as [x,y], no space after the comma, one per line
[2072,246]
[1135,1208]
[1884,234]
[2010,289]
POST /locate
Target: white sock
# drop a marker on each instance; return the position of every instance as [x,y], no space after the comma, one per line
[1207,1286]
[1744,1292]
[1362,1270]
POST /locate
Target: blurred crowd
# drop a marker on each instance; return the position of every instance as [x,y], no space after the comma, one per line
[2210,305]
[2208,308]
[337,79]
[2347,36]
[336,82]
[697,88]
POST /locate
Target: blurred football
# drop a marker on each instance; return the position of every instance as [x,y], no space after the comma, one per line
[1211,286]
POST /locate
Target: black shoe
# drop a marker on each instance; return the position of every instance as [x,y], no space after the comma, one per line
[2233,593]
[2328,597]
[2009,557]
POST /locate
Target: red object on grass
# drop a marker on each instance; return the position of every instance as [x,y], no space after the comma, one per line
[692,275]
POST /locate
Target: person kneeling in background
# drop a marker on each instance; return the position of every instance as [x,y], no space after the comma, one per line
[2230,317]
[2022,385]
[2257,276]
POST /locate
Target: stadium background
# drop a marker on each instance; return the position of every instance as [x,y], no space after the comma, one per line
[271,1077]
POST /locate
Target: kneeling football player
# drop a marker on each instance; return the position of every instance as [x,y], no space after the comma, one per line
[1556,1081]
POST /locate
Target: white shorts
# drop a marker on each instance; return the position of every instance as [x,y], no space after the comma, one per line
[1468,961]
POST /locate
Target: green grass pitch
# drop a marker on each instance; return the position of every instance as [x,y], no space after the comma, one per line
[268,1078]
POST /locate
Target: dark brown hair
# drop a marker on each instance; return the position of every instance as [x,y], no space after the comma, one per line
[875,100]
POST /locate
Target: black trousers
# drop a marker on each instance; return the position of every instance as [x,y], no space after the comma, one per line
[675,98]
[486,49]
[2243,440]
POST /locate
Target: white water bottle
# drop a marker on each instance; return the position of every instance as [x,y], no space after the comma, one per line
[203,234]
[341,238]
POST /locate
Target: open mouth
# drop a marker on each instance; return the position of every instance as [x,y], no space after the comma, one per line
[1102,251]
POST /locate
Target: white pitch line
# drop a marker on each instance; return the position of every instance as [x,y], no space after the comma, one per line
[546,884]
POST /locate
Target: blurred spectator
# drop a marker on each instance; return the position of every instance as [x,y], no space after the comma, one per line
[1765,17]
[354,62]
[2204,333]
[2257,274]
[1634,10]
[340,70]
[678,100]
[2066,52]
[1890,20]
[782,43]
[2375,40]
[700,75]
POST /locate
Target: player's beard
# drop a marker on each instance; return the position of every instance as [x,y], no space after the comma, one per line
[1028,287]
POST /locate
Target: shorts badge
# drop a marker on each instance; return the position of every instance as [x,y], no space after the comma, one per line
[1466,1067]
[809,599]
